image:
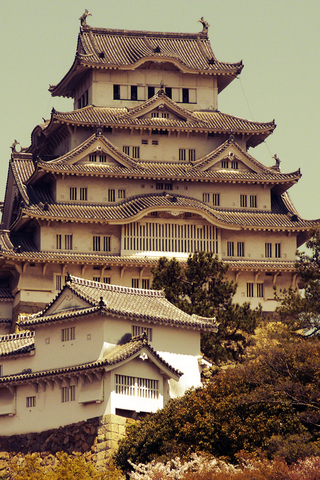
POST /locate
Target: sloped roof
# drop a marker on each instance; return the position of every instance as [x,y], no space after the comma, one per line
[16,344]
[131,303]
[111,360]
[129,49]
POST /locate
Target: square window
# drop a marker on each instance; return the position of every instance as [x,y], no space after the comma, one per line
[68,334]
[168,186]
[155,142]
[144,142]
[234,165]
[159,186]
[137,330]
[154,114]
[68,394]
[107,280]
[93,157]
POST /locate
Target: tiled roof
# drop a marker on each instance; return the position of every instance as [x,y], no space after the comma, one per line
[22,168]
[16,344]
[113,358]
[135,304]
[216,122]
[5,294]
[127,49]
[136,207]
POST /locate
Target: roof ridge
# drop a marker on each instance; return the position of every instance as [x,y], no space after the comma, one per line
[114,288]
[17,336]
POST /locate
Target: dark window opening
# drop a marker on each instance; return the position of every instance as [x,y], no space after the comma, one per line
[150,92]
[168,91]
[134,92]
[185,95]
[116,92]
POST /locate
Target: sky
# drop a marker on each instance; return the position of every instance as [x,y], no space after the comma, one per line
[278,41]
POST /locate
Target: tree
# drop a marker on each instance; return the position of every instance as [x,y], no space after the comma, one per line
[301,312]
[202,288]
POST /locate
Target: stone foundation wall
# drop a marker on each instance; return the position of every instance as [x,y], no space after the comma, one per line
[97,439]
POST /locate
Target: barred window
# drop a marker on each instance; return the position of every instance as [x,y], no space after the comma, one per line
[234,165]
[230,249]
[68,242]
[192,155]
[83,193]
[155,114]
[58,282]
[182,154]
[216,199]
[96,243]
[146,283]
[136,152]
[73,193]
[253,201]
[268,250]
[107,280]
[96,279]
[206,197]
[111,195]
[168,186]
[138,387]
[277,250]
[135,283]
[225,164]
[121,194]
[250,290]
[159,186]
[106,244]
[30,402]
[240,249]
[126,149]
[103,158]
[165,115]
[93,157]
[58,242]
[68,394]
[259,289]
[137,330]
[243,200]
[68,334]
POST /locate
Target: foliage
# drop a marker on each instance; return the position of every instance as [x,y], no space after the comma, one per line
[66,468]
[302,312]
[271,404]
[202,288]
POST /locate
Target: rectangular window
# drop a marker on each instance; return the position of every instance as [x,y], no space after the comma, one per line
[206,197]
[106,244]
[240,249]
[135,283]
[168,186]
[250,290]
[225,164]
[185,95]
[192,155]
[58,242]
[234,165]
[260,290]
[58,282]
[182,154]
[126,149]
[268,250]
[243,200]
[83,193]
[68,242]
[134,92]
[216,199]
[121,194]
[136,152]
[68,394]
[159,186]
[103,158]
[111,195]
[96,243]
[97,279]
[93,157]
[73,193]
[150,92]
[165,115]
[277,250]
[155,142]
[168,91]
[253,201]
[146,283]
[136,331]
[230,249]
[138,387]
[30,402]
[116,92]
[107,280]
[68,334]
[154,114]
[144,142]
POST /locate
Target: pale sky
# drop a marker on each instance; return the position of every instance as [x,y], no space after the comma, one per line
[278,41]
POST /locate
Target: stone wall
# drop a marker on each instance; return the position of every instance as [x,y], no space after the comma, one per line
[97,439]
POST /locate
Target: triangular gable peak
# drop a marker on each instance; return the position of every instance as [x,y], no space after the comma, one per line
[161,104]
[97,150]
[230,156]
[67,300]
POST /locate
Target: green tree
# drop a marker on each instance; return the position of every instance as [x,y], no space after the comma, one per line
[301,312]
[201,287]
